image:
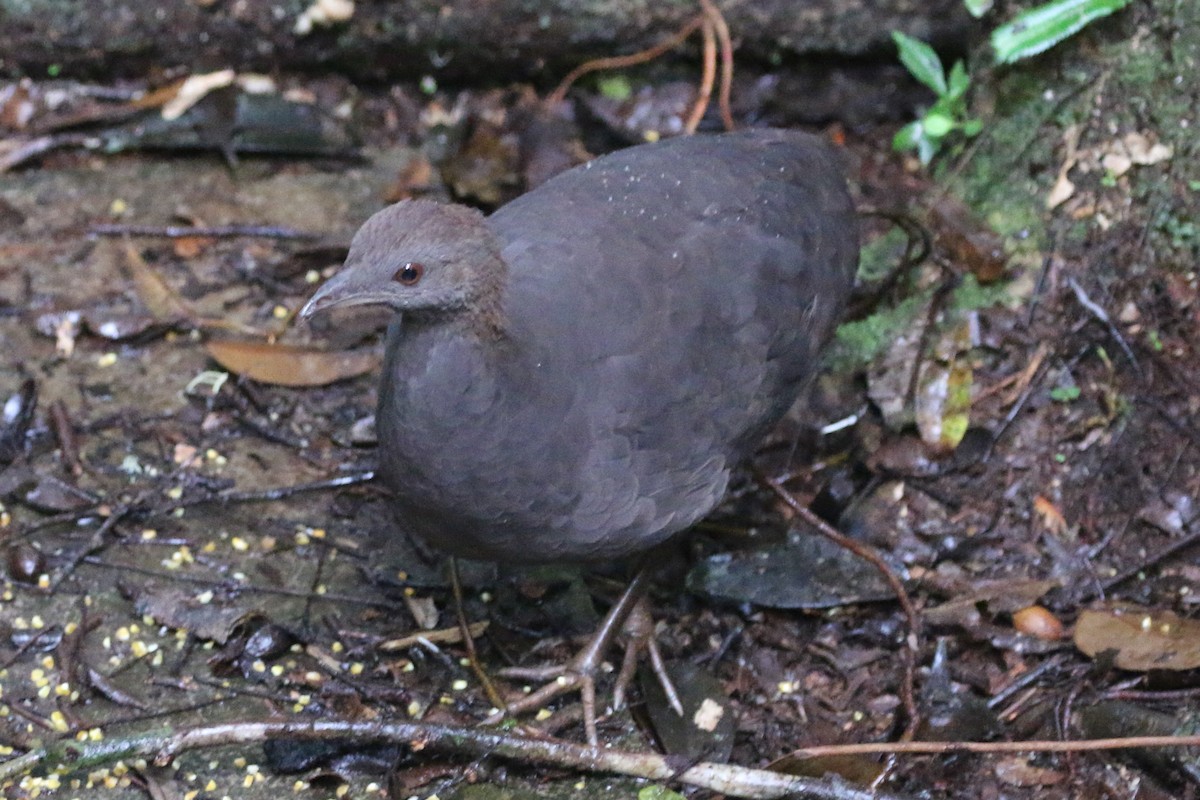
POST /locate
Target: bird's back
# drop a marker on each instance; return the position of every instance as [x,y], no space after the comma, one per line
[664,306]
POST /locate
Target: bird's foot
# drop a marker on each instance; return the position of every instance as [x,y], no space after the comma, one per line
[628,615]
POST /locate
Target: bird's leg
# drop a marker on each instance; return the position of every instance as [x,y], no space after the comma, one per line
[639,633]
[579,673]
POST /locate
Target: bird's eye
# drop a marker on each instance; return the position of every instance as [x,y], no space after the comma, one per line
[410,273]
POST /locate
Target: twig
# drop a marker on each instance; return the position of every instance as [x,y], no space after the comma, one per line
[721,29]
[616,62]
[441,636]
[207,232]
[163,745]
[869,554]
[1099,313]
[43,144]
[707,78]
[95,543]
[1021,378]
[1168,551]
[275,493]
[716,34]
[275,591]
[1031,746]
[1011,416]
[917,248]
[468,639]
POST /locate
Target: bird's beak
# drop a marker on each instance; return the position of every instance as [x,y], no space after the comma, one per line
[340,291]
[325,298]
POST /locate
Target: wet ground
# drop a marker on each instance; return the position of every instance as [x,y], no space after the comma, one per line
[1045,528]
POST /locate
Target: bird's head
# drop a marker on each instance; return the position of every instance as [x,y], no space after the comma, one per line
[417,257]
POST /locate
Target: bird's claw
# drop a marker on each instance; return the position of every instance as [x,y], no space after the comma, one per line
[580,675]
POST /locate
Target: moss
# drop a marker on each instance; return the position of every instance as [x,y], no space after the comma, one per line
[1118,77]
[858,343]
[880,255]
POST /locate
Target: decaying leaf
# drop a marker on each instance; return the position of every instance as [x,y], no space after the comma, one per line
[1063,187]
[706,729]
[1119,155]
[943,399]
[193,88]
[322,14]
[805,571]
[994,597]
[1141,638]
[153,291]
[1019,771]
[285,365]
[165,303]
[888,378]
[969,244]
[1051,517]
[195,613]
[53,494]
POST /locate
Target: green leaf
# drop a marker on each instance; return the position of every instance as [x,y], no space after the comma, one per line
[938,125]
[977,8]
[1039,29]
[907,137]
[959,81]
[615,87]
[920,59]
[971,127]
[1064,394]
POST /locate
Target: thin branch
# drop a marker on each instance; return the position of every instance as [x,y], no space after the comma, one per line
[162,745]
[707,77]
[717,20]
[1099,313]
[1031,746]
[869,554]
[616,62]
[207,232]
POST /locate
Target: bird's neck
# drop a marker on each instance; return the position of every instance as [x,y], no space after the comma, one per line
[483,319]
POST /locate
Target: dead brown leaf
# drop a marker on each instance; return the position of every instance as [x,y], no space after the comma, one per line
[285,365]
[968,243]
[996,597]
[1142,638]
[1051,517]
[159,298]
[165,303]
